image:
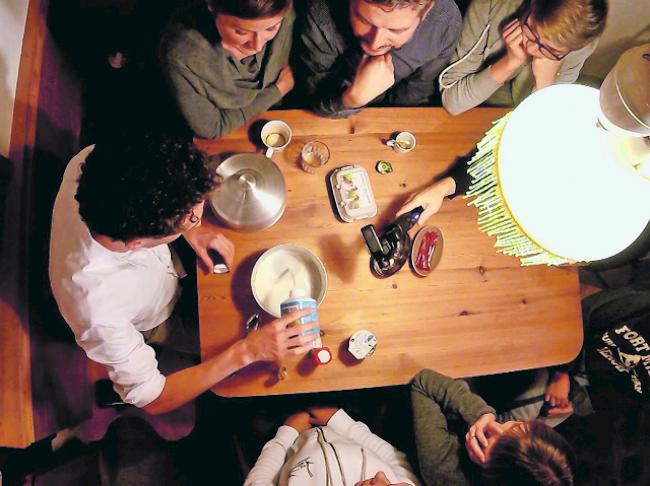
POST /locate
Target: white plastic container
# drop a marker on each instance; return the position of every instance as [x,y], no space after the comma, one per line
[362,344]
[353,193]
[298,300]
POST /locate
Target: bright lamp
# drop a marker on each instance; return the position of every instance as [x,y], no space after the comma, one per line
[554,187]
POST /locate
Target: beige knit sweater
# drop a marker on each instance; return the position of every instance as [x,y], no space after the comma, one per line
[469,83]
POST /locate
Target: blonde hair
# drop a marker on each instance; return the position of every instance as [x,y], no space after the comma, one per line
[569,23]
[393,4]
[530,455]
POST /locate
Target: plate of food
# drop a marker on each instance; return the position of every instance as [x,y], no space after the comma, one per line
[426,250]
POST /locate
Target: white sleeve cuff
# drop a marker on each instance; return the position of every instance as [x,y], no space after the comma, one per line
[286,435]
[143,394]
[341,422]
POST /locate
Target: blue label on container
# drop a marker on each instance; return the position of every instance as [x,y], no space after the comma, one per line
[289,306]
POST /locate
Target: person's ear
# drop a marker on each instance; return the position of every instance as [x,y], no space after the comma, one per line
[427,10]
[185,222]
[134,244]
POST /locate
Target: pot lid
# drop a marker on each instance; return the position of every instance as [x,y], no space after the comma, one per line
[253,193]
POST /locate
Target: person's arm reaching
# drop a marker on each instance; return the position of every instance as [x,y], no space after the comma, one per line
[430,198]
[454,182]
[202,240]
[270,343]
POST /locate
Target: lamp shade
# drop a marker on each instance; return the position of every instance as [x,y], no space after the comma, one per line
[548,183]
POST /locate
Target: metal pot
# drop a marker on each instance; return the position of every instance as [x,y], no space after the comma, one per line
[252,195]
[282,268]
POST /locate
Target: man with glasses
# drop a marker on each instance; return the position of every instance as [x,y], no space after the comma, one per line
[508,49]
[356,53]
[115,279]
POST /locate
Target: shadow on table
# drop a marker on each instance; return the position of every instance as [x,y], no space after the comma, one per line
[241,291]
[255,134]
[344,355]
[340,257]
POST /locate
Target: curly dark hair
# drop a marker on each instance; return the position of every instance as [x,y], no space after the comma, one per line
[141,187]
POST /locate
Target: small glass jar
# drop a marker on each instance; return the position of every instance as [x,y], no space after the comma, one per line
[313,156]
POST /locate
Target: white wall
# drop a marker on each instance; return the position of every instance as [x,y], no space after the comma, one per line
[628,25]
[12,25]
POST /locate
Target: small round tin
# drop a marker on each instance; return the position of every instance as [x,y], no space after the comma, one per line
[384,167]
[426,250]
[362,344]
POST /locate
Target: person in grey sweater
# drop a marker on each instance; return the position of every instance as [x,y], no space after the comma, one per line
[228,60]
[509,48]
[455,428]
[356,53]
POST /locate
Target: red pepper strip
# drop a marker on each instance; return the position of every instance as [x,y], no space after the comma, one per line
[425,252]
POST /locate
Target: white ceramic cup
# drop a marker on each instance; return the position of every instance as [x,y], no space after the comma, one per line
[403,142]
[276,135]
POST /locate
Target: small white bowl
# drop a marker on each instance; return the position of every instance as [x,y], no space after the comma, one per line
[281,268]
[404,142]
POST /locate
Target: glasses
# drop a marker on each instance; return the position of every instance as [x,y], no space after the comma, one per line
[193,219]
[532,36]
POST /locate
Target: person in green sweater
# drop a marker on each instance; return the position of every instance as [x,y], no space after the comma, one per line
[447,415]
[228,60]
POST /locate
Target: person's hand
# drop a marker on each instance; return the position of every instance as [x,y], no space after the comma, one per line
[275,341]
[557,390]
[544,71]
[430,199]
[513,37]
[374,76]
[380,479]
[559,411]
[299,421]
[285,80]
[475,439]
[321,415]
[203,240]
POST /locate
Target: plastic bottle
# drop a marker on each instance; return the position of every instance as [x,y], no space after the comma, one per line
[298,300]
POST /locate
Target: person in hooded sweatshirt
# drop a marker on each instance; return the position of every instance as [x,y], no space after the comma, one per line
[324,446]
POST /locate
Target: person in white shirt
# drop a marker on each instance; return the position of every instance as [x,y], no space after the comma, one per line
[112,274]
[337,451]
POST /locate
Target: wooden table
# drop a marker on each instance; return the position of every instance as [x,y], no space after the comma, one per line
[478,313]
